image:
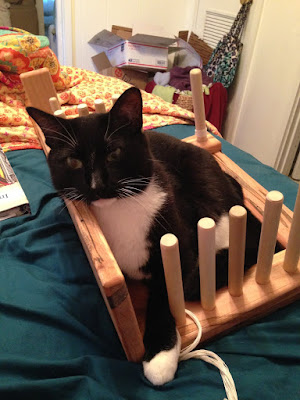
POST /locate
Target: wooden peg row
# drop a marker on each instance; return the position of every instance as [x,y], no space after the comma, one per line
[267,242]
[207,262]
[172,269]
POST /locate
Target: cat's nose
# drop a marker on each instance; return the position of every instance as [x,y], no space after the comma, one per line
[95,181]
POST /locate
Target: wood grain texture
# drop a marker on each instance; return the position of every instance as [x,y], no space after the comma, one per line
[172,268]
[256,302]
[39,88]
[108,275]
[198,104]
[206,228]
[237,244]
[212,144]
[267,241]
[293,245]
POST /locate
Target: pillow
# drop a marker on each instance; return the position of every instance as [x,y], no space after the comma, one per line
[20,51]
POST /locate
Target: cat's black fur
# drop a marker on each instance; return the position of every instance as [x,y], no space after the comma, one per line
[196,187]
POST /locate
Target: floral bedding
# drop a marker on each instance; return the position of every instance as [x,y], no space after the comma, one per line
[21,51]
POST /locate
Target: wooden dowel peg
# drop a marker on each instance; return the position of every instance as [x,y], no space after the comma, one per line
[99,106]
[172,268]
[207,262]
[60,113]
[114,98]
[83,110]
[236,256]
[54,104]
[198,104]
[291,258]
[267,242]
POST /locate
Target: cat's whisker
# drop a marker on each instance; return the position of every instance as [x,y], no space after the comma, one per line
[73,141]
[107,128]
[134,181]
[144,192]
[67,189]
[116,130]
[63,126]
[132,188]
[131,194]
[74,196]
[69,138]
[74,136]
[62,140]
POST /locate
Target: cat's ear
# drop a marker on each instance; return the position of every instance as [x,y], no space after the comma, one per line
[55,129]
[128,109]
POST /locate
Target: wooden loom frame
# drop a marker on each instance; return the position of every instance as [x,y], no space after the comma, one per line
[128,310]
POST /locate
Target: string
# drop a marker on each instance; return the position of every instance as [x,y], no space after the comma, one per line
[209,357]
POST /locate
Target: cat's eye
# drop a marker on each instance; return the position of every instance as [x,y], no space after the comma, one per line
[74,163]
[114,155]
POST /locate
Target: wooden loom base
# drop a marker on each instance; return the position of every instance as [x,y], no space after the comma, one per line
[230,312]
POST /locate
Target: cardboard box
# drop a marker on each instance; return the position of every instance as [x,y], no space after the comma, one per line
[134,77]
[143,52]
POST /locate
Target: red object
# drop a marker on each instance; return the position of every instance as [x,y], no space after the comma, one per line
[150,86]
[215,105]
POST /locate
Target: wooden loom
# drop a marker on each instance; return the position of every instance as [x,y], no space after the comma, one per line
[220,312]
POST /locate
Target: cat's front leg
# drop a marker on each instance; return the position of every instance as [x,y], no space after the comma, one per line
[162,340]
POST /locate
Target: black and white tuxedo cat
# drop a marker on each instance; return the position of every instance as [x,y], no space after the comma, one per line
[141,186]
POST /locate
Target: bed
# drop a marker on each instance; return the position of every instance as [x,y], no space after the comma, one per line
[56,336]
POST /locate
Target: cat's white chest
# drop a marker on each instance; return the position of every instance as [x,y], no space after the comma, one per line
[126,224]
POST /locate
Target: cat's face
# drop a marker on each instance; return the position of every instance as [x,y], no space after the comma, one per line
[100,156]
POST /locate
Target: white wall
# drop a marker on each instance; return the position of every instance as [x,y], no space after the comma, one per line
[155,16]
[267,82]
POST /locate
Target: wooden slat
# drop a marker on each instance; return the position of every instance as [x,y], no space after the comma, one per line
[108,275]
[39,88]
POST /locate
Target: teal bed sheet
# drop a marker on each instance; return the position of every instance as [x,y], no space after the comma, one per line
[57,340]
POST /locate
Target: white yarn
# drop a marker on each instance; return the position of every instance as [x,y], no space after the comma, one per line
[210,357]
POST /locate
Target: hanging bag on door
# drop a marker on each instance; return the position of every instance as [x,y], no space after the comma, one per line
[223,62]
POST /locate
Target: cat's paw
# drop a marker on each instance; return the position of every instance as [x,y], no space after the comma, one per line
[163,366]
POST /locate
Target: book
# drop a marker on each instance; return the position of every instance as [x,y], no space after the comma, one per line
[13,201]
